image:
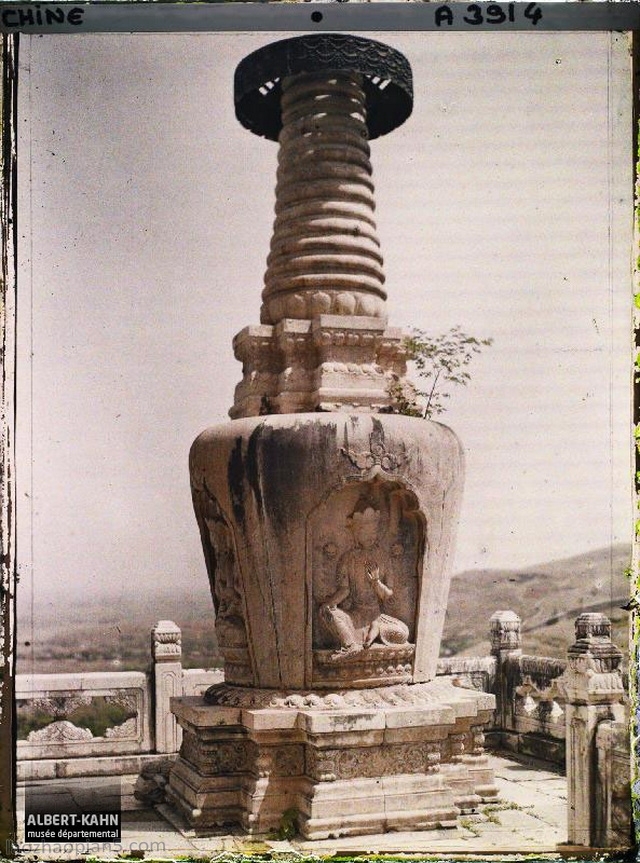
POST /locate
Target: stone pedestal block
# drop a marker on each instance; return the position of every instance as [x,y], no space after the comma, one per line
[328,540]
[346,763]
[330,362]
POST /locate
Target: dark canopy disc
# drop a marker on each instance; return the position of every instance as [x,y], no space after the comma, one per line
[257,82]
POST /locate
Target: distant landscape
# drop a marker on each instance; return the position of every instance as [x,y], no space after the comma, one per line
[91,635]
[547,597]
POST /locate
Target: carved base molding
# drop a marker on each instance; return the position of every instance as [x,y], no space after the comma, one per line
[425,695]
[378,665]
[411,764]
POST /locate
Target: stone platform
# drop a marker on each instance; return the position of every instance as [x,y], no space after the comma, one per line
[529,817]
[350,763]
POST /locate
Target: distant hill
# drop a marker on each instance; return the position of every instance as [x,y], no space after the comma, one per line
[547,597]
[92,633]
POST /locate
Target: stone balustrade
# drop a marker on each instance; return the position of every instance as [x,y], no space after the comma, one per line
[570,712]
[529,717]
[105,723]
[117,703]
[530,713]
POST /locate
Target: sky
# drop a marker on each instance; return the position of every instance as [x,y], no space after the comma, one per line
[504,206]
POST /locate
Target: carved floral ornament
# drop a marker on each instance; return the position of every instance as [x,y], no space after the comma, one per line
[377,458]
[404,758]
[62,729]
[129,699]
[167,639]
[125,731]
[281,760]
[585,682]
[57,706]
[224,757]
[505,631]
[437,691]
[61,706]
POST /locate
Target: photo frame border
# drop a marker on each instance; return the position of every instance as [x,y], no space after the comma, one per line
[147,16]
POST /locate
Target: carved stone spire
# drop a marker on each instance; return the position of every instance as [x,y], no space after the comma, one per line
[325,255]
[323,342]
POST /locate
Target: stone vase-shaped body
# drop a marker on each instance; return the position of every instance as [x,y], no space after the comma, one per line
[328,540]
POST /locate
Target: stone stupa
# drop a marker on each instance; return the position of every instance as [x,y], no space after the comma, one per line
[327,523]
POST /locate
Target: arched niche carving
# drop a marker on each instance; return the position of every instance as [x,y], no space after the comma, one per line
[225,582]
[366,543]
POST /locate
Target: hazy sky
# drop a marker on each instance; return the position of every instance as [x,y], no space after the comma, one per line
[503,206]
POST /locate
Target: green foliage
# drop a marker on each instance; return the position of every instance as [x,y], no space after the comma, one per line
[471,826]
[288,826]
[405,399]
[443,362]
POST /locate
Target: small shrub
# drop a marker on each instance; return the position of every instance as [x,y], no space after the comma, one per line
[442,361]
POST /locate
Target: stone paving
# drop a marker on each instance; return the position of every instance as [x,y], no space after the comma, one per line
[530,817]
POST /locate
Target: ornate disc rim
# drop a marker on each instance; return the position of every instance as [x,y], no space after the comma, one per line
[387,79]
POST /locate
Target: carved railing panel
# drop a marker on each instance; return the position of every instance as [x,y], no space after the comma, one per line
[537,706]
[74,715]
[613,828]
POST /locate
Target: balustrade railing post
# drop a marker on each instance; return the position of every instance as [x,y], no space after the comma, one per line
[594,692]
[166,646]
[505,645]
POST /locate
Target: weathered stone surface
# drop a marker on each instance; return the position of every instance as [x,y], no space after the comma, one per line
[595,699]
[505,633]
[324,247]
[323,343]
[613,826]
[285,493]
[343,770]
[327,527]
[60,695]
[166,647]
[329,362]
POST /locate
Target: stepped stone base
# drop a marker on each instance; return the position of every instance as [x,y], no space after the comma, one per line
[395,758]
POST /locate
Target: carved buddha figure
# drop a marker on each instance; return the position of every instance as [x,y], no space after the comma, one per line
[355,613]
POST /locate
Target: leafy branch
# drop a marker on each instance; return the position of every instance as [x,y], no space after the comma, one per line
[442,361]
